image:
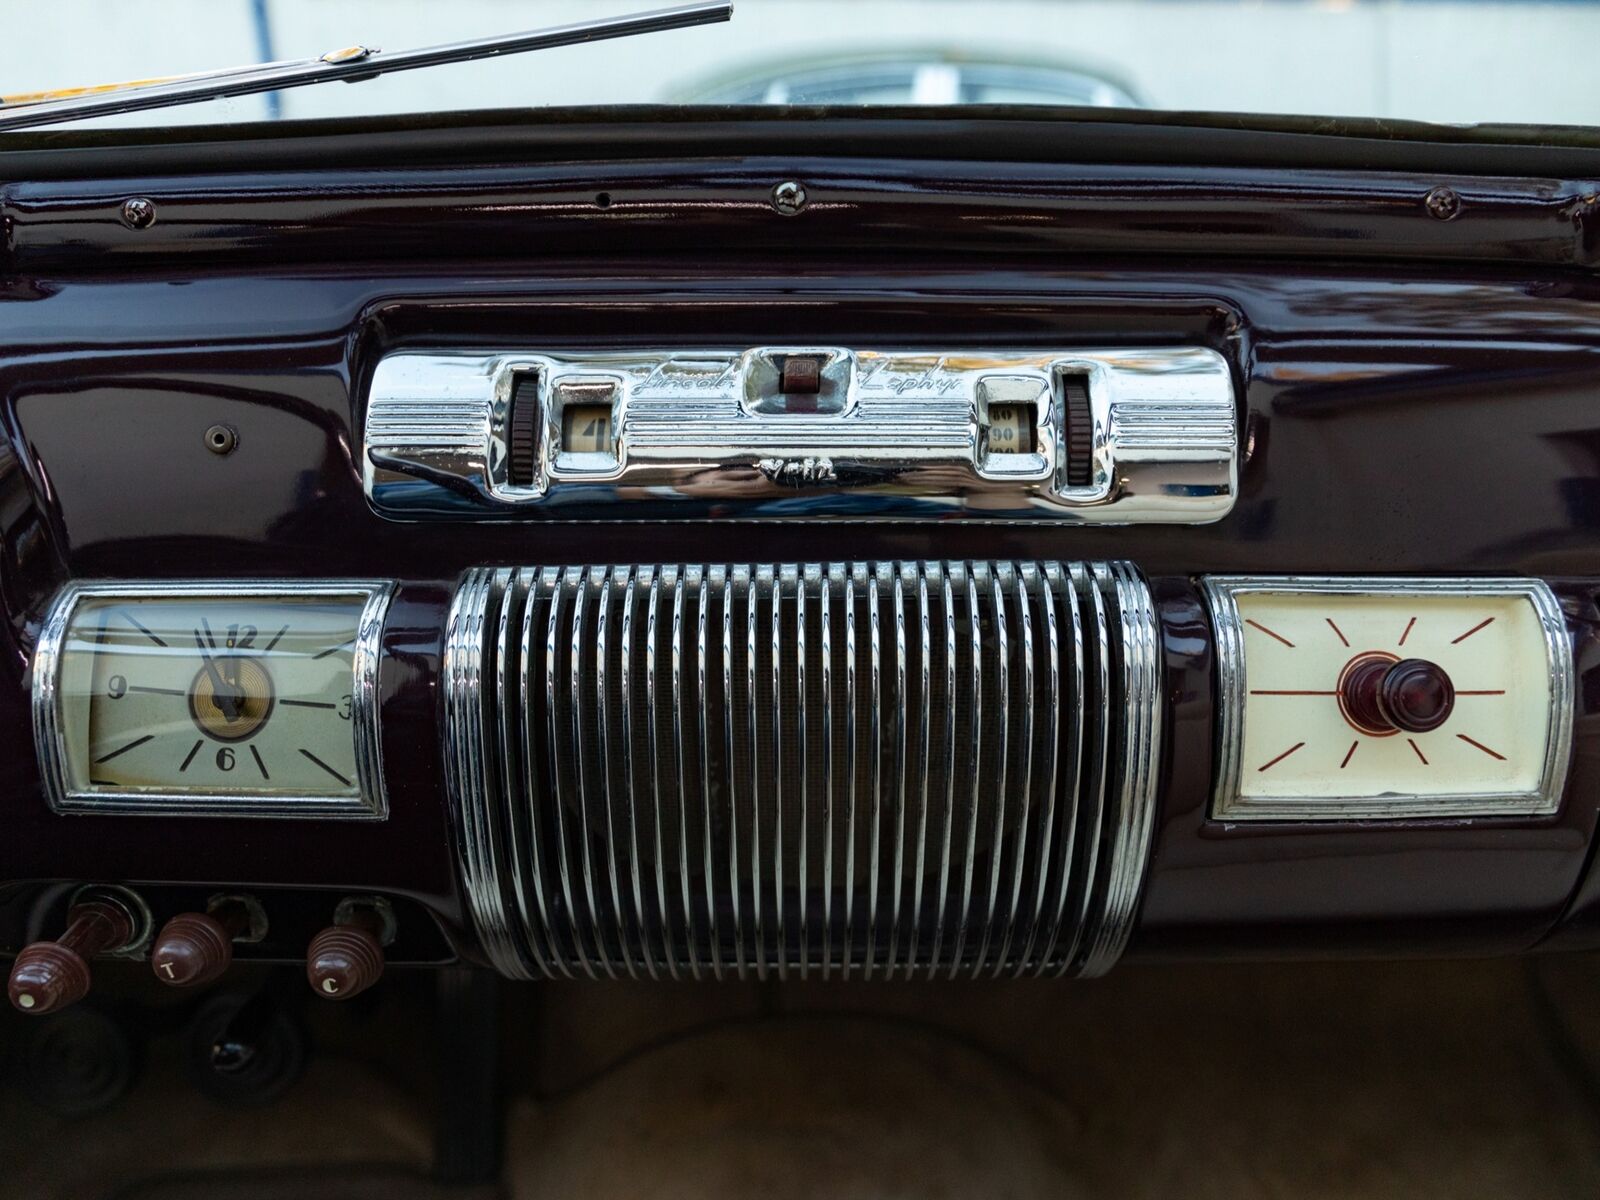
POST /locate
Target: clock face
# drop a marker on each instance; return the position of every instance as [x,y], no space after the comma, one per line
[211,696]
[1395,697]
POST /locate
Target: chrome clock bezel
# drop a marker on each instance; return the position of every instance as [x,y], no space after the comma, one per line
[372,801]
[1221,593]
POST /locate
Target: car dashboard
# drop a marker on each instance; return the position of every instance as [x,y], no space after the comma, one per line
[827,544]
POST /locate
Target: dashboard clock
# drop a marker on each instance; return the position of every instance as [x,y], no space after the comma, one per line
[1390,698]
[241,698]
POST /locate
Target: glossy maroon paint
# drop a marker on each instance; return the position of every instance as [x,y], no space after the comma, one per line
[1417,397]
[688,207]
[1374,887]
[177,865]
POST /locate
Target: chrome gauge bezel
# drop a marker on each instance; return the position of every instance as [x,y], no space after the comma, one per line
[1221,594]
[371,802]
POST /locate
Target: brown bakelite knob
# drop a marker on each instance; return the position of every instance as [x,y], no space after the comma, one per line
[195,948]
[48,976]
[1416,695]
[345,960]
[1380,695]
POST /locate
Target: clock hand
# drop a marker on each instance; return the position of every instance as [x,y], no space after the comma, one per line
[227,698]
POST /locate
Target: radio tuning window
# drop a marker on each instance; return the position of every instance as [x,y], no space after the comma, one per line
[1011,429]
[586,428]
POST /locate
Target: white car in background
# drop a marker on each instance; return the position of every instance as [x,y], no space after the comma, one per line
[914,77]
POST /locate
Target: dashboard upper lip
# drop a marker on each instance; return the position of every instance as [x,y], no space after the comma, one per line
[710,195]
[1009,132]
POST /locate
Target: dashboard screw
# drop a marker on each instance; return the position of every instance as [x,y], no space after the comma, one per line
[221,439]
[788,197]
[1443,203]
[138,213]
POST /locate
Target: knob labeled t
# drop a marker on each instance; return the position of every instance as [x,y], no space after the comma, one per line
[195,948]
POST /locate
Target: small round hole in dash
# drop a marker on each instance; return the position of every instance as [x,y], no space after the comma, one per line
[602,200]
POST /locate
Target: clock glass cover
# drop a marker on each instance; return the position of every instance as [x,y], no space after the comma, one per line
[182,694]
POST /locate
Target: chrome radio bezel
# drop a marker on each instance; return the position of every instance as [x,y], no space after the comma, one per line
[906,440]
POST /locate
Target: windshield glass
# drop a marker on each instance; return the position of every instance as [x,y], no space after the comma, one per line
[1455,61]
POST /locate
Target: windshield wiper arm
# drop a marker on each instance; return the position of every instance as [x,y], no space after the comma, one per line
[351,65]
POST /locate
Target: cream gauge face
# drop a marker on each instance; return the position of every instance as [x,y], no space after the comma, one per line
[1398,698]
[181,698]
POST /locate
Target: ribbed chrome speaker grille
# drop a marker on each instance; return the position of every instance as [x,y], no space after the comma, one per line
[856,769]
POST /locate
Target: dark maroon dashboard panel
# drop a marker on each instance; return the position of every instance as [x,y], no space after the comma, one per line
[1415,397]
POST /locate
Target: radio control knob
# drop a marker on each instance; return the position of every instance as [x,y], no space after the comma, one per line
[48,976]
[1381,695]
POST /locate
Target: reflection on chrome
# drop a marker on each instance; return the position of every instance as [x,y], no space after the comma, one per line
[879,434]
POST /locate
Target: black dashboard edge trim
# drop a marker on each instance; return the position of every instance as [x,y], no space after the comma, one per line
[1022,133]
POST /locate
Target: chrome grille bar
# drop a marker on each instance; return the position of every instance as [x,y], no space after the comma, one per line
[866,769]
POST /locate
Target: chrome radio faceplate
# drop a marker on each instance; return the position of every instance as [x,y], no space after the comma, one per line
[1110,436]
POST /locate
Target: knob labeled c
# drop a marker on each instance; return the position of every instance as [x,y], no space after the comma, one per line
[343,961]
